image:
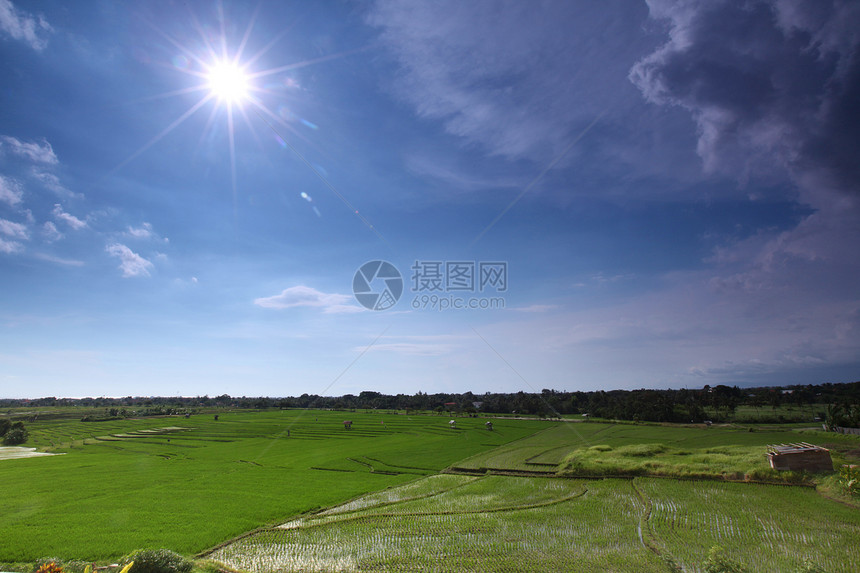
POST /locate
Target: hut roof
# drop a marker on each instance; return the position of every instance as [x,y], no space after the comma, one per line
[797,448]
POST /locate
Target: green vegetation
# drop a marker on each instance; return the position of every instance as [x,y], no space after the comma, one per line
[156,561]
[486,524]
[502,523]
[597,449]
[13,433]
[294,490]
[190,483]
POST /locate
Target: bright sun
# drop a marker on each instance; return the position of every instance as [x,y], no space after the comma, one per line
[228,82]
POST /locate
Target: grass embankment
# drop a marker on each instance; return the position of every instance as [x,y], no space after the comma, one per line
[625,450]
[130,484]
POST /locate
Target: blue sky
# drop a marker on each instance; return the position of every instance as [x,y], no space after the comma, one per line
[672,187]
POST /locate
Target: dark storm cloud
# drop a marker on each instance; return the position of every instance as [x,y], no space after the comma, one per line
[774,89]
[771,85]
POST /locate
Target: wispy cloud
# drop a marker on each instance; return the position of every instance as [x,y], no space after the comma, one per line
[535,308]
[23,26]
[68,218]
[59,260]
[50,232]
[516,79]
[52,182]
[34,151]
[10,247]
[14,230]
[421,345]
[142,232]
[304,296]
[456,177]
[131,264]
[10,191]
[145,232]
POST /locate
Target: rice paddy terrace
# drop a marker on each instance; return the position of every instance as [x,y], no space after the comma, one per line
[296,491]
[506,510]
[188,484]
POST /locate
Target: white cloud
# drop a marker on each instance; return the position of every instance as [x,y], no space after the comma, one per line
[14,230]
[50,232]
[304,296]
[23,26]
[131,264]
[142,232]
[35,152]
[10,246]
[10,192]
[69,219]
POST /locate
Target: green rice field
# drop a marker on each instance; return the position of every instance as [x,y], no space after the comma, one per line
[503,523]
[188,484]
[267,491]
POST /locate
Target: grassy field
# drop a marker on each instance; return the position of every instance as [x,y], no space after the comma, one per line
[295,491]
[128,484]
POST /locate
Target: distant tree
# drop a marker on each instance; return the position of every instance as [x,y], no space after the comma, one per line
[15,435]
[4,427]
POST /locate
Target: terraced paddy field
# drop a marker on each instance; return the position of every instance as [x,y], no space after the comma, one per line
[281,491]
[188,484]
[503,523]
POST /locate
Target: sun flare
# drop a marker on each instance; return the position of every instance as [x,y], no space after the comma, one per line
[228,82]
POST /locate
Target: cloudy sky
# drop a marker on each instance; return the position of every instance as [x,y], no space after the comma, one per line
[631,194]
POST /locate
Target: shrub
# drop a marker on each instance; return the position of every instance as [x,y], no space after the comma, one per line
[17,434]
[849,479]
[157,561]
[719,562]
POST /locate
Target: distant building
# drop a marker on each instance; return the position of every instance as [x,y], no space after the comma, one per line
[799,457]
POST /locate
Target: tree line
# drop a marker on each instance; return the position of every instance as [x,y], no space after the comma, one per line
[837,404]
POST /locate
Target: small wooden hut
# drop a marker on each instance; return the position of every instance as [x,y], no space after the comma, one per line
[799,457]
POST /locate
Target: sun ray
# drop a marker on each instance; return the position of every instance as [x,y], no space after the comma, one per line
[164,132]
